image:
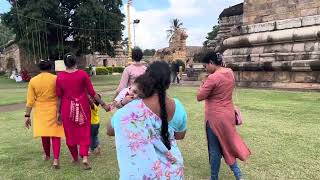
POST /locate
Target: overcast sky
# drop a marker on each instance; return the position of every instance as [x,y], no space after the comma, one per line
[198,17]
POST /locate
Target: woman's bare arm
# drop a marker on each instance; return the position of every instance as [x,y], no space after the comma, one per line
[110,130]
[180,135]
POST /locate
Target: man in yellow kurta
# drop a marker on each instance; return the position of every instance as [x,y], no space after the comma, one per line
[42,96]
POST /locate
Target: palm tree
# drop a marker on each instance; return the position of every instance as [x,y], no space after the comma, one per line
[175,24]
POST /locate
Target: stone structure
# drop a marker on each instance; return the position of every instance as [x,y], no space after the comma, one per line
[21,60]
[277,45]
[177,48]
[229,20]
[97,59]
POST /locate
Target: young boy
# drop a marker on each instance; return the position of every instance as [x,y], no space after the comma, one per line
[127,95]
[95,124]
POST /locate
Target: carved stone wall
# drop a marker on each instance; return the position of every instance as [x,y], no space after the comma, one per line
[259,11]
[277,46]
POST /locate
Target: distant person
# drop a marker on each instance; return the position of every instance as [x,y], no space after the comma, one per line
[73,87]
[13,75]
[90,69]
[223,139]
[131,72]
[94,70]
[174,72]
[42,97]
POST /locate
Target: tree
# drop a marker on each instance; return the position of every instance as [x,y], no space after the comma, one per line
[52,28]
[211,35]
[199,56]
[175,24]
[149,52]
[6,35]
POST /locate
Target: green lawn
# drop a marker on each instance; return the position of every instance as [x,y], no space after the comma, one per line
[281,128]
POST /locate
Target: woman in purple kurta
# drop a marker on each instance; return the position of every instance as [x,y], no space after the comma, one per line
[73,87]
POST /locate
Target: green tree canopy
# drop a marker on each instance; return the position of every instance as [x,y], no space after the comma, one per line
[175,24]
[5,34]
[149,52]
[50,28]
[211,35]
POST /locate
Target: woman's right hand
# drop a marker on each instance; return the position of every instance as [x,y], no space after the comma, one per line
[59,122]
[127,99]
[204,77]
[27,122]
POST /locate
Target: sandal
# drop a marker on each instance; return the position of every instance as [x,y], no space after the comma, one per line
[86,166]
[56,164]
[46,158]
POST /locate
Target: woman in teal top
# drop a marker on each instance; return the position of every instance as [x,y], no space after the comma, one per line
[141,122]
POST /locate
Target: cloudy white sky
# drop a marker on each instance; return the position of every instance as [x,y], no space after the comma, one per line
[198,17]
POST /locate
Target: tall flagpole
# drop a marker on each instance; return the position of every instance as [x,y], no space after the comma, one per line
[129,30]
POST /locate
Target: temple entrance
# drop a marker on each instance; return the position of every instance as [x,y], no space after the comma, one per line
[105,62]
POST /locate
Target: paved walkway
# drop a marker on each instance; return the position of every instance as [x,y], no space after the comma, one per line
[12,107]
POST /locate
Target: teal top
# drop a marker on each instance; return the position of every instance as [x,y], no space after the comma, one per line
[137,128]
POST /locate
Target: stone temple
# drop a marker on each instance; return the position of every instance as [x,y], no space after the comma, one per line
[272,43]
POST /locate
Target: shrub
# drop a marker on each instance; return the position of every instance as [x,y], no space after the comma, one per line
[102,71]
[110,69]
[118,69]
[181,63]
[87,70]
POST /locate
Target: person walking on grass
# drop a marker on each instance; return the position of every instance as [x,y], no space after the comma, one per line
[95,125]
[223,139]
[131,72]
[72,88]
[42,97]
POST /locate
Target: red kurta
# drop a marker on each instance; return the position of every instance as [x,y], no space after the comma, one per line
[219,113]
[75,85]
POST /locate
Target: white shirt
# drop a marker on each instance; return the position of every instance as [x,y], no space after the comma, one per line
[122,94]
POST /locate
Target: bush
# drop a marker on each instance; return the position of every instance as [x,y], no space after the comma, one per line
[110,69]
[106,70]
[181,63]
[102,71]
[2,73]
[118,69]
[87,70]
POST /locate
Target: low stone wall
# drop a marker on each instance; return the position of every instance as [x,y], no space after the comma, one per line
[279,79]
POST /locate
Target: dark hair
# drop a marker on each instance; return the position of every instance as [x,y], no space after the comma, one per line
[137,54]
[157,80]
[211,57]
[45,65]
[70,60]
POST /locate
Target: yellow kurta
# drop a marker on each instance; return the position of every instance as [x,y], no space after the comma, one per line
[42,97]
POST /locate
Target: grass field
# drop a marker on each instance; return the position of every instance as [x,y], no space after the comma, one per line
[281,128]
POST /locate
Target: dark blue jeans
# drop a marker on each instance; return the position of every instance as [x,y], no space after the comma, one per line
[94,136]
[215,156]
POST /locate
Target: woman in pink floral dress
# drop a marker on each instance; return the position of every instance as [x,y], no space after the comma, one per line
[140,122]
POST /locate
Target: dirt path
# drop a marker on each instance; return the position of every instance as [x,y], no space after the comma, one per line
[12,107]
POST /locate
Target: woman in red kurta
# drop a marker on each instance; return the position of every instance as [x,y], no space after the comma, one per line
[222,136]
[73,87]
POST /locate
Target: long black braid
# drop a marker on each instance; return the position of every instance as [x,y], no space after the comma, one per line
[157,80]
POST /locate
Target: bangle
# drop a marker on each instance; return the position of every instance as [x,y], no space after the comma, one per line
[27,115]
